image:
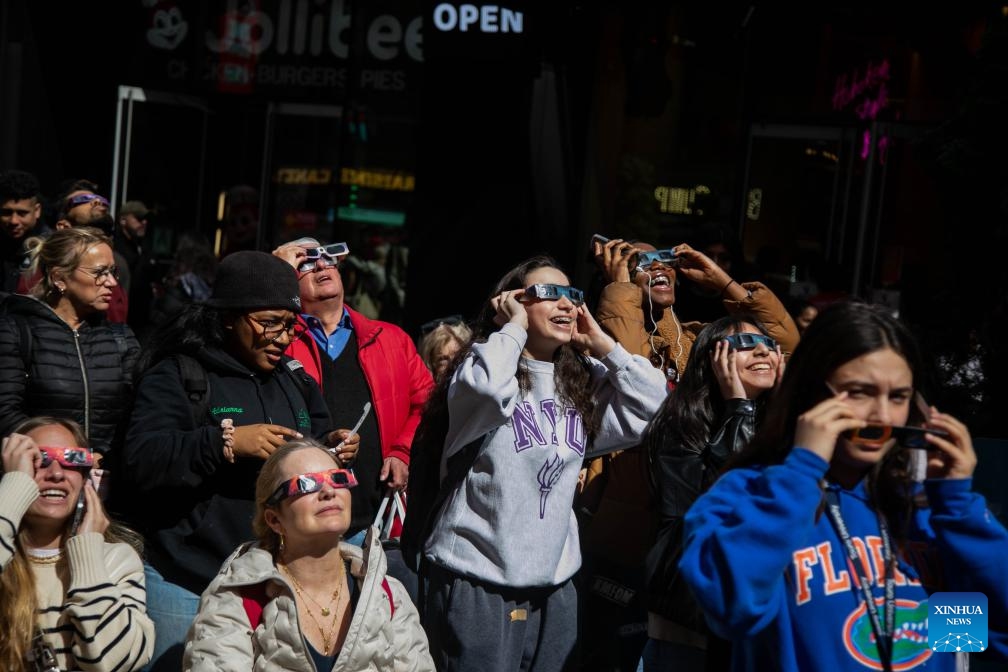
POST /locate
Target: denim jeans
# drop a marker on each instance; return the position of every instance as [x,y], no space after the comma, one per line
[173,609]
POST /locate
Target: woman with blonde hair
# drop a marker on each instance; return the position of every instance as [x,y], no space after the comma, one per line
[441,341]
[316,600]
[71,591]
[58,354]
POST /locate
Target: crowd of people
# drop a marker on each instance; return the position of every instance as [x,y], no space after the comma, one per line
[615,486]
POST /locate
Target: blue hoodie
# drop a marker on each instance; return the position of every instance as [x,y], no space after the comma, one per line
[771,574]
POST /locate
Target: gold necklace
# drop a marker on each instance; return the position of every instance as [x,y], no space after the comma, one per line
[44,559]
[302,593]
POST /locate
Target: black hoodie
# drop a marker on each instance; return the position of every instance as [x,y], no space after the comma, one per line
[193,506]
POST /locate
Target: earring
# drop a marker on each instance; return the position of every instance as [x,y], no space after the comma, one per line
[283,546]
[61,289]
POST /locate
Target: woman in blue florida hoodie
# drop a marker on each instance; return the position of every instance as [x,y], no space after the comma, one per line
[540,388]
[767,546]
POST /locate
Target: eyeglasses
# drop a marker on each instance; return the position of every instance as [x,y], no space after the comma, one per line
[272,330]
[555,293]
[451,321]
[662,257]
[877,435]
[305,484]
[74,458]
[329,254]
[749,341]
[81,199]
[102,274]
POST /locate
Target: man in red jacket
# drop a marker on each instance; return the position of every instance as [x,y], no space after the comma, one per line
[357,360]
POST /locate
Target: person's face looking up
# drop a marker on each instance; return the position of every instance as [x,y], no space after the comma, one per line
[657,280]
[757,366]
[551,322]
[879,387]
[324,513]
[259,337]
[86,207]
[322,282]
[59,486]
[17,218]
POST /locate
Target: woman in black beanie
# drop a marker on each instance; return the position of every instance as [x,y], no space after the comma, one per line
[215,397]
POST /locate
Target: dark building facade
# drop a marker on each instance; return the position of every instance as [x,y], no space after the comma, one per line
[845,151]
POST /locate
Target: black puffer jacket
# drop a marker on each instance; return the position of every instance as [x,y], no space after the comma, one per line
[193,506]
[84,375]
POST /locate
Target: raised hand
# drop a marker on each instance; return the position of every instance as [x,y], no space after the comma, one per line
[953,457]
[724,362]
[819,427]
[21,453]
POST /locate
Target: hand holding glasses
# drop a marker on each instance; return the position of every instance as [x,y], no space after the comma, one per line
[546,292]
[329,255]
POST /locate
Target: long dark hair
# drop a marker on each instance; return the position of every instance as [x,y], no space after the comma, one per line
[840,333]
[572,374]
[194,327]
[689,413]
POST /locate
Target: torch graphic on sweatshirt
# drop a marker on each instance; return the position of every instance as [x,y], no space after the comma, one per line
[549,474]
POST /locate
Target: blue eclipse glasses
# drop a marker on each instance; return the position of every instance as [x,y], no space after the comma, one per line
[663,257]
[749,341]
[554,293]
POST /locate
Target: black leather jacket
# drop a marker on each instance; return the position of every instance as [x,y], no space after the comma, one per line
[84,375]
[681,475]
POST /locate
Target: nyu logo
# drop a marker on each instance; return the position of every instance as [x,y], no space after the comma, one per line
[957,622]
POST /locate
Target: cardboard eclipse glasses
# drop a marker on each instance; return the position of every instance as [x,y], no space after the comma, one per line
[329,254]
[305,484]
[555,293]
[749,341]
[72,458]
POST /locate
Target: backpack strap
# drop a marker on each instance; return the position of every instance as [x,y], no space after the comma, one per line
[254,598]
[196,384]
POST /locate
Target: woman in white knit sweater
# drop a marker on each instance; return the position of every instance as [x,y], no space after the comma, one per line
[72,593]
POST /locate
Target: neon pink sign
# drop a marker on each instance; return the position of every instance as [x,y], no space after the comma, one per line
[868,94]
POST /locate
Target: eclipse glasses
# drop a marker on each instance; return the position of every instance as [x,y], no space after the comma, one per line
[877,435]
[749,341]
[329,254]
[663,257]
[555,293]
[73,458]
[305,484]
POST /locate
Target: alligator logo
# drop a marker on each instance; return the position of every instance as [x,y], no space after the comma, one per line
[910,640]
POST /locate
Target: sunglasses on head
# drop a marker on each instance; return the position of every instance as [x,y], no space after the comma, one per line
[663,257]
[305,484]
[74,458]
[81,199]
[749,341]
[451,321]
[329,254]
[554,293]
[876,435]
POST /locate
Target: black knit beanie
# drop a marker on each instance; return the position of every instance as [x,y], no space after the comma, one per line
[249,280]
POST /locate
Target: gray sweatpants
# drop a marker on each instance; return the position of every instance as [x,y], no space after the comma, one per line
[479,626]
